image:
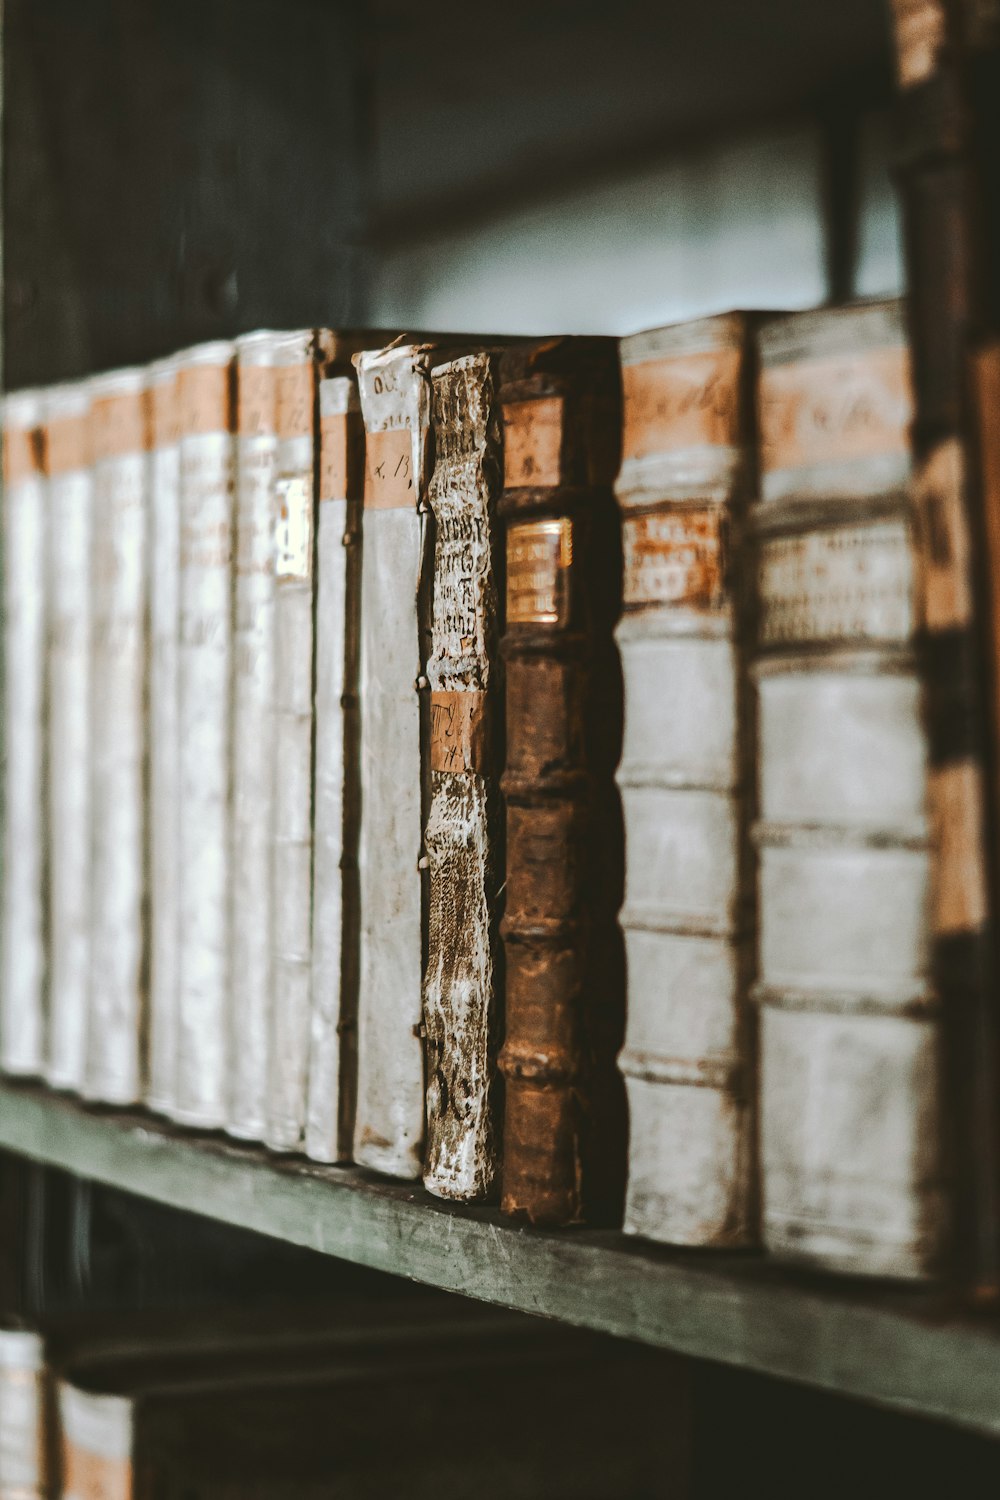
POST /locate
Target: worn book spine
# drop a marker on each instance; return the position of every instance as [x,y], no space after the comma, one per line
[948,171]
[464,827]
[97,1444]
[68,467]
[22,953]
[253,734]
[207,498]
[563,1158]
[333,1020]
[164,624]
[395,401]
[291,848]
[853,1175]
[26,1470]
[117,987]
[686,778]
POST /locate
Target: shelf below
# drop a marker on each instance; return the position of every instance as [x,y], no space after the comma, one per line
[911,1350]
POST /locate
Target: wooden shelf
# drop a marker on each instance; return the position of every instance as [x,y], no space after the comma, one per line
[911,1350]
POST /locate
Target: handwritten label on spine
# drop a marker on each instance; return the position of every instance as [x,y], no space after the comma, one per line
[389,470]
[681,402]
[539,554]
[835,409]
[847,583]
[533,433]
[675,557]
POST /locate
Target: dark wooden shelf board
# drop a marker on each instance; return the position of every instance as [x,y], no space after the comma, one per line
[911,1350]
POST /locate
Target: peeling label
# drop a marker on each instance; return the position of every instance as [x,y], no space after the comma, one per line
[539,554]
[293,549]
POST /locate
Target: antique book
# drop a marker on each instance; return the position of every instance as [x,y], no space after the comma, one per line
[948,171]
[164,745]
[26,1437]
[296,357]
[252,734]
[564,1145]
[685,777]
[336,794]
[22,948]
[463,831]
[117,988]
[68,467]
[207,486]
[395,401]
[852,1169]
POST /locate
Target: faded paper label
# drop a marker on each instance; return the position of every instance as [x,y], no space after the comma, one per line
[533,432]
[956,801]
[333,440]
[676,557]
[845,583]
[688,401]
[389,470]
[539,555]
[294,533]
[458,730]
[836,409]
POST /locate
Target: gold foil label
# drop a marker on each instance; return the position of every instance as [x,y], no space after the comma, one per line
[294,542]
[532,441]
[458,730]
[676,557]
[389,470]
[539,554]
[689,401]
[836,409]
[841,583]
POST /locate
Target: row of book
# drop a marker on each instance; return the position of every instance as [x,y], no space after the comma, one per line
[267,1409]
[457,672]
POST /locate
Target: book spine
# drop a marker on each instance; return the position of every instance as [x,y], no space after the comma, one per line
[68,465]
[117,987]
[389,1124]
[22,952]
[26,1470]
[564,990]
[291,848]
[460,997]
[333,1023]
[97,1445]
[685,779]
[850,1035]
[208,476]
[164,567]
[251,976]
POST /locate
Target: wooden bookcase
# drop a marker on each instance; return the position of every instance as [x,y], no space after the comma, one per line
[176,170]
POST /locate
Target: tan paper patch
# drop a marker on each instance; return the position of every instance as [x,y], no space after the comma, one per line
[120,424]
[67,444]
[458,731]
[955,797]
[294,399]
[685,402]
[257,386]
[835,409]
[389,470]
[90,1476]
[533,433]
[205,393]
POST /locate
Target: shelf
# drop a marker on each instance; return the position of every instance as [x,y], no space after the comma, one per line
[910,1350]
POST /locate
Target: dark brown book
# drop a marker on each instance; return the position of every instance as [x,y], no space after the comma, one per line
[564,1129]
[947,64]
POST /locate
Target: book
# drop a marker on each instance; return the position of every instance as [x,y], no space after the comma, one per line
[296,356]
[463,833]
[336,796]
[23,944]
[852,1173]
[207,499]
[686,778]
[70,482]
[26,1428]
[253,769]
[164,743]
[564,1141]
[395,401]
[117,986]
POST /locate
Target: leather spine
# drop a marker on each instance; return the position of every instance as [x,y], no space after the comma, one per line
[850,1027]
[395,401]
[252,735]
[563,1116]
[208,480]
[686,782]
[463,828]
[296,356]
[70,500]
[114,1072]
[22,952]
[164,628]
[333,1020]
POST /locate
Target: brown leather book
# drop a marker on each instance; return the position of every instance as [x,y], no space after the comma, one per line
[564,1117]
[948,64]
